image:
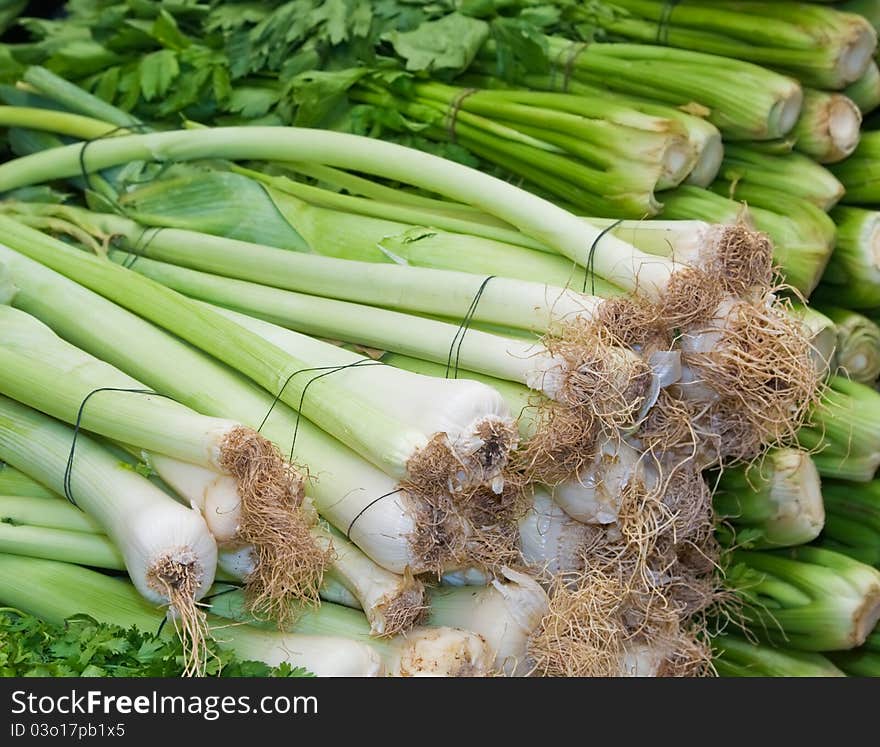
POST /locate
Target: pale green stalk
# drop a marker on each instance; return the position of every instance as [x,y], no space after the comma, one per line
[56,591]
[614,260]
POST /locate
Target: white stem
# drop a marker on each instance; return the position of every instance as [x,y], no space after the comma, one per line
[549,539]
[594,496]
[505,614]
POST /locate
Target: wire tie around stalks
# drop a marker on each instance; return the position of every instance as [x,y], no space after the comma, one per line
[454,109]
[138,250]
[458,339]
[77,427]
[84,172]
[570,54]
[366,508]
[665,21]
[589,265]
[328,370]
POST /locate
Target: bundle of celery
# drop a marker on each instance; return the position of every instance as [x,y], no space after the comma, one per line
[821,46]
[852,524]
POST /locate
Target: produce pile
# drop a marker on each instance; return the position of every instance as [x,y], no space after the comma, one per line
[462,338]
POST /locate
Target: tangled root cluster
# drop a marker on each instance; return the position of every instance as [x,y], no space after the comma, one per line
[761,369]
[636,606]
[289,564]
[177,577]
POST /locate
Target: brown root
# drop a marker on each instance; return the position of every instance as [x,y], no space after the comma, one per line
[453,467]
[289,564]
[634,321]
[742,257]
[405,609]
[691,296]
[563,443]
[639,602]
[177,576]
[603,379]
[761,368]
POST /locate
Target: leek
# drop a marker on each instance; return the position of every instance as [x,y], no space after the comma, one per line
[551,542]
[775,503]
[401,446]
[14,482]
[808,598]
[562,377]
[396,528]
[56,591]
[264,494]
[169,553]
[444,652]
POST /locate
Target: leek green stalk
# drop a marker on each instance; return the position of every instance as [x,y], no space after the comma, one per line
[614,260]
[534,306]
